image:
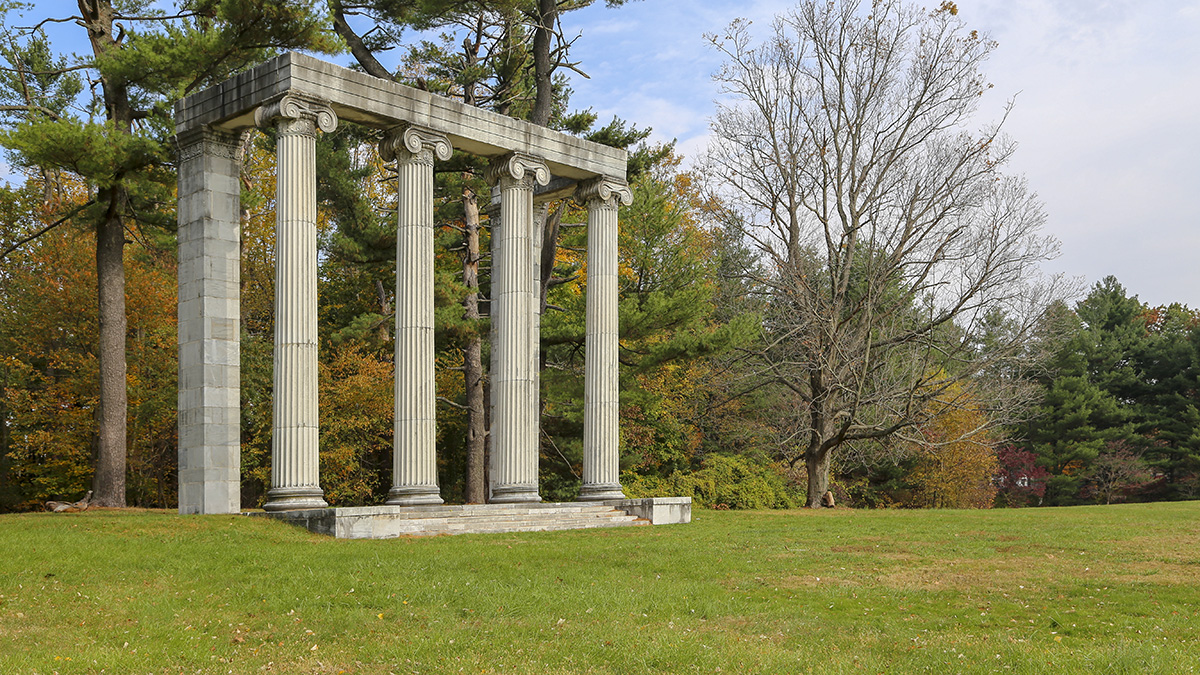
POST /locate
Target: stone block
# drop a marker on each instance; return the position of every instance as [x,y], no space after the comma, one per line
[221,397]
[220,352]
[222,497]
[216,305]
[657,510]
[191,248]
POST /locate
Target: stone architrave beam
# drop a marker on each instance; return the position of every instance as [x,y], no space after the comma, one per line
[358,97]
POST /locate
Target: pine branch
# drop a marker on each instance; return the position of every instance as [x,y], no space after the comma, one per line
[46,229]
[31,108]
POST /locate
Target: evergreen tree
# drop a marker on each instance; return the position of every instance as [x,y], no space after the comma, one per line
[119,140]
[1127,375]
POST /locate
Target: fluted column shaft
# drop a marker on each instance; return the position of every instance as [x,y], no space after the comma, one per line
[295,459]
[514,432]
[414,457]
[601,401]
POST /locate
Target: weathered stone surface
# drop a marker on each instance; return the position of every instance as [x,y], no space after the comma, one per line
[358,97]
[414,460]
[657,510]
[209,358]
[385,522]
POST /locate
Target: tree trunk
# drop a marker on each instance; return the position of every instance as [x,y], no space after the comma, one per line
[550,224]
[817,464]
[385,310]
[475,491]
[109,480]
[543,68]
[358,49]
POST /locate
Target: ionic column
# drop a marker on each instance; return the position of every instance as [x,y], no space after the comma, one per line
[514,434]
[295,461]
[209,238]
[601,402]
[414,458]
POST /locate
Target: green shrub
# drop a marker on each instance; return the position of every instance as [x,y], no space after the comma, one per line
[637,486]
[723,481]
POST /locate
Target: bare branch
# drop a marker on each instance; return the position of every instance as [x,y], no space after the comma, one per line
[453,404]
[152,17]
[43,22]
[887,230]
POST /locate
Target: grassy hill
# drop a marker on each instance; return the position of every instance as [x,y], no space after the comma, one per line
[1078,590]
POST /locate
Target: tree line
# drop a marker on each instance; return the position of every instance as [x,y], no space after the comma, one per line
[843,297]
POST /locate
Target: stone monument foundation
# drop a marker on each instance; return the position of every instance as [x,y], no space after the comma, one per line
[387,522]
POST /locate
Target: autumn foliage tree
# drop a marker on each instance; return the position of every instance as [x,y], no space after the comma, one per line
[1020,481]
[48,330]
[956,463]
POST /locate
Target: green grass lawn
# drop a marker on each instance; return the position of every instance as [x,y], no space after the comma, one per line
[1081,590]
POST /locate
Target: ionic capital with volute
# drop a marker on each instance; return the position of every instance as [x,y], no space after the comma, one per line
[607,190]
[295,114]
[411,142]
[518,167]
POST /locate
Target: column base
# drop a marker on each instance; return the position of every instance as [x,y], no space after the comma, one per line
[515,494]
[414,495]
[596,492]
[295,498]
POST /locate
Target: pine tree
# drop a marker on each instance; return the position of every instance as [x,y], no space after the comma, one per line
[119,143]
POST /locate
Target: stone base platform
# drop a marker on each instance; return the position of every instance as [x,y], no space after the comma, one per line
[386,522]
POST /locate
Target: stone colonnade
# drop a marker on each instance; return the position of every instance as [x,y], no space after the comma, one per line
[209,259]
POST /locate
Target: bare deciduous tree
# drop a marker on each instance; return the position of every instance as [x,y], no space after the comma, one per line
[897,256]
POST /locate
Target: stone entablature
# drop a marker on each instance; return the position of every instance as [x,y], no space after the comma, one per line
[299,96]
[364,99]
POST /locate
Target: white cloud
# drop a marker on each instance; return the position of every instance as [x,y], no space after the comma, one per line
[1106,122]
[1106,116]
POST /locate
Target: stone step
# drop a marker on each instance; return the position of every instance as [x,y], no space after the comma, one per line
[482,510]
[537,525]
[513,517]
[544,527]
[383,522]
[478,523]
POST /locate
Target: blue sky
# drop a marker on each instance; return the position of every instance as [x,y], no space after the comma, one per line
[1107,112]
